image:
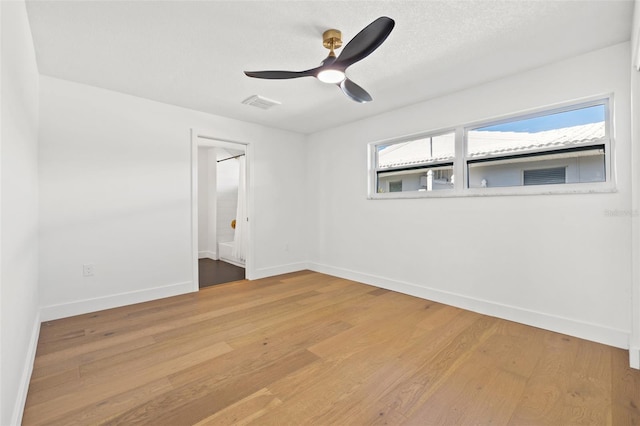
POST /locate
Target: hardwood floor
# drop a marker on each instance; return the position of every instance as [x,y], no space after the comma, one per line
[307,348]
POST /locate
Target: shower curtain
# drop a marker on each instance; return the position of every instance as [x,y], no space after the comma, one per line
[240,236]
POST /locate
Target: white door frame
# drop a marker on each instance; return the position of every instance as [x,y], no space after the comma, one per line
[199,139]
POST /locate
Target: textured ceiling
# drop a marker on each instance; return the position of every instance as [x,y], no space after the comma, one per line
[192,53]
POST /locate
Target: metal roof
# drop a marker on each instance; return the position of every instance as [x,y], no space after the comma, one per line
[484,143]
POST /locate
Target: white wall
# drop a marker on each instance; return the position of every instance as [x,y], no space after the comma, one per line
[115,191]
[634,351]
[207,203]
[203,200]
[19,319]
[486,254]
[227,194]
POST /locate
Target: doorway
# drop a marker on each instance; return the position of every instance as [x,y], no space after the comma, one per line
[220,194]
[212,272]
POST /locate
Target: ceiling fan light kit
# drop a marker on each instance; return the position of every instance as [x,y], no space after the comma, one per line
[331,76]
[332,70]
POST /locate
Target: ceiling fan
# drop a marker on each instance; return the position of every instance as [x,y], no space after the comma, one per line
[332,70]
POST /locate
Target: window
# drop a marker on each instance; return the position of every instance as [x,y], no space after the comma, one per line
[545,151]
[424,164]
[545,176]
[395,186]
[572,140]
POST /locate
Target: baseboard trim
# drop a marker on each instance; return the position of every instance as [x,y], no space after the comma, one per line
[277,270]
[64,310]
[634,357]
[208,255]
[233,262]
[584,330]
[21,397]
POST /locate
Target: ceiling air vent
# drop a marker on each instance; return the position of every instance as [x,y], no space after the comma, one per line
[260,102]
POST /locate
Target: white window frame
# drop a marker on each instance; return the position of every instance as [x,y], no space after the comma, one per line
[373,166]
[460,166]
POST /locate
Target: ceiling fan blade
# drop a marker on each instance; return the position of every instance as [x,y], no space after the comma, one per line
[281,75]
[365,42]
[354,91]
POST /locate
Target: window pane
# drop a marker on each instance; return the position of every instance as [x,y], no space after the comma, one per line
[424,164]
[420,151]
[422,179]
[502,155]
[580,166]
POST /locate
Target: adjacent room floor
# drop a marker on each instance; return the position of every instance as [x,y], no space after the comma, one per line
[212,272]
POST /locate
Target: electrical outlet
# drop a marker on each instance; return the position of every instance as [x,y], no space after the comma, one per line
[88,269]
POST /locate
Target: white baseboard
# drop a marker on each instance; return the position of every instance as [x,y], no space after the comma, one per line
[48,313]
[276,270]
[584,330]
[208,255]
[634,357]
[234,262]
[21,397]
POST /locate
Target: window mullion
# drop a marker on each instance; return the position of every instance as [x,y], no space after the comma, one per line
[458,163]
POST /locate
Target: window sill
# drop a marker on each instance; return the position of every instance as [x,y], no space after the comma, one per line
[567,189]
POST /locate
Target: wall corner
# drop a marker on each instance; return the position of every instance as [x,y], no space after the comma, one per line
[634,357]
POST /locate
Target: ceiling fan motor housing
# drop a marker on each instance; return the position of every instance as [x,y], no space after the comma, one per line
[332,39]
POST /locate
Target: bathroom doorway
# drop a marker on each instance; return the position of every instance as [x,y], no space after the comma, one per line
[221,211]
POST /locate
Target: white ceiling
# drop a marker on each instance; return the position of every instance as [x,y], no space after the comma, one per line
[192,53]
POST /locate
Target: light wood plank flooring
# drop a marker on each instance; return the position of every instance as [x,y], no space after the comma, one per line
[307,348]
